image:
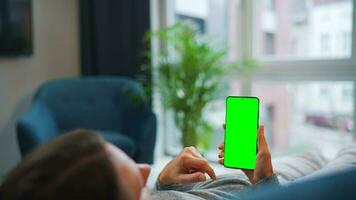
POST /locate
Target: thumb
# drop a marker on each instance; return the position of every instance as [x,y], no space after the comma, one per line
[191,178]
[262,143]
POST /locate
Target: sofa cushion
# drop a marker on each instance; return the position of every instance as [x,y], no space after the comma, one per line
[121,141]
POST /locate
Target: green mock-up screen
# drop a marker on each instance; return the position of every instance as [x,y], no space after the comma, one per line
[241,132]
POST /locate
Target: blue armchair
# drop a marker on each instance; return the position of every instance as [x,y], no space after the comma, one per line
[116,107]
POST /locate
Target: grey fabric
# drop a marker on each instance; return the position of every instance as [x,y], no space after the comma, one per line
[344,159]
[335,186]
[229,186]
[293,167]
[236,186]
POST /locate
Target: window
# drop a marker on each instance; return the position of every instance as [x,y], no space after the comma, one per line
[269,43]
[287,29]
[346,42]
[297,115]
[308,63]
[324,44]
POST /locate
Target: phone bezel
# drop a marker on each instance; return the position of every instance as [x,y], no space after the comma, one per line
[258,119]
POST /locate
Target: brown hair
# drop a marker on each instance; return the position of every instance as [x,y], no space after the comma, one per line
[72,166]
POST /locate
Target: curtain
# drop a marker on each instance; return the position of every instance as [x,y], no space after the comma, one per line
[112,33]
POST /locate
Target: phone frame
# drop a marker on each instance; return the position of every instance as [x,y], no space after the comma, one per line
[258,119]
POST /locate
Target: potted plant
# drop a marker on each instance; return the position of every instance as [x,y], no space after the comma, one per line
[188,79]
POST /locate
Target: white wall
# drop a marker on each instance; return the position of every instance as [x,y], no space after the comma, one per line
[56,54]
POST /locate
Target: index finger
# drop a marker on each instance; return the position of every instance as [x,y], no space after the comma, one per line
[199,165]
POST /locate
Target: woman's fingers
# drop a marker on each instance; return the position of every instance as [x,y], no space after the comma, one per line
[200,165]
[192,151]
[221,146]
[191,178]
[221,154]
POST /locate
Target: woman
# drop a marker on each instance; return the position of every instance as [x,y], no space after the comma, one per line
[81,165]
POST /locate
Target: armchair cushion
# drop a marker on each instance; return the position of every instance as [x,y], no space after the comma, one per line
[36,127]
[115,105]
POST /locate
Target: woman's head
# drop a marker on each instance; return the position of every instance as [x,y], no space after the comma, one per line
[76,165]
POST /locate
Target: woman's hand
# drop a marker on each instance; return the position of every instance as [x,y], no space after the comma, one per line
[263,160]
[188,167]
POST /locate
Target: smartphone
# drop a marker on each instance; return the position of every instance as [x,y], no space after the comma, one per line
[241,123]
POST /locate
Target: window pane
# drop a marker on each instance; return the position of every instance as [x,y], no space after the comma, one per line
[297,116]
[302,115]
[303,28]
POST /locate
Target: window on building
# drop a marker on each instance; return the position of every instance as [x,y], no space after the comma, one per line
[269,43]
[324,44]
[347,42]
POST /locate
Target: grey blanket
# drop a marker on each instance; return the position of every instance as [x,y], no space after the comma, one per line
[236,185]
[228,186]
